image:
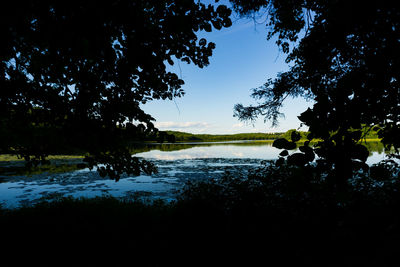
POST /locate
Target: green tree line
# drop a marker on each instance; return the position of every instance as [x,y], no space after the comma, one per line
[189,137]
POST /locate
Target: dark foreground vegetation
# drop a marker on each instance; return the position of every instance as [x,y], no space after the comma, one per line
[74,76]
[268,217]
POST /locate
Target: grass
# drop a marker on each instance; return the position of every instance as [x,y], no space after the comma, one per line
[50,169]
[11,165]
[272,217]
[106,231]
[9,157]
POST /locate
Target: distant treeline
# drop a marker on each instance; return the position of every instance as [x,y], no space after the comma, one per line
[189,137]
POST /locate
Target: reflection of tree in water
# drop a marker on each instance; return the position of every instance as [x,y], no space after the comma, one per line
[62,166]
[146,147]
[139,148]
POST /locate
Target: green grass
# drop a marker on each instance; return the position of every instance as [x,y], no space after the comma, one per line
[11,165]
[9,157]
[49,168]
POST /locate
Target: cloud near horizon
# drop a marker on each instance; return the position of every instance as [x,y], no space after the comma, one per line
[170,125]
[238,125]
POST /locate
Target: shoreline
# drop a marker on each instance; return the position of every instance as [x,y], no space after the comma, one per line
[10,157]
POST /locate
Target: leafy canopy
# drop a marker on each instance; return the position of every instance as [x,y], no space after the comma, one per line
[347,60]
[74,73]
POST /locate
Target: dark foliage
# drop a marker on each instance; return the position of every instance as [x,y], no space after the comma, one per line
[278,216]
[74,73]
[293,216]
[347,61]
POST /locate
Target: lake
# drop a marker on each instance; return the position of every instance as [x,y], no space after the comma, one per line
[176,163]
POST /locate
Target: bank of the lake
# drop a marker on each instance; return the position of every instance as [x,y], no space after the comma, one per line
[177,163]
[145,221]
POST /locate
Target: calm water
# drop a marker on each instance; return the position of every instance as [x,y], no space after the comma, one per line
[176,162]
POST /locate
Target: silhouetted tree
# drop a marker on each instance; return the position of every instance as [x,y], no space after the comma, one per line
[74,73]
[345,55]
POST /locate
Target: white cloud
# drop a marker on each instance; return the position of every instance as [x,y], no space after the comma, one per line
[238,125]
[182,126]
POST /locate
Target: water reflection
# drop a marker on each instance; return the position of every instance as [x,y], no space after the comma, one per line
[239,149]
[255,151]
[176,162]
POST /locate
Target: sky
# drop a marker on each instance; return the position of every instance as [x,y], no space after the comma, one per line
[242,60]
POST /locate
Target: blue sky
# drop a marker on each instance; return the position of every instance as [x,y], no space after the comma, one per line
[243,59]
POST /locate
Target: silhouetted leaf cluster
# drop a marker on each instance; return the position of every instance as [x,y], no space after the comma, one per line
[347,60]
[73,74]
